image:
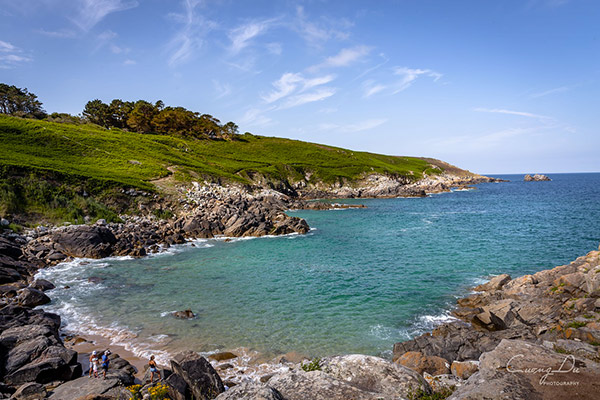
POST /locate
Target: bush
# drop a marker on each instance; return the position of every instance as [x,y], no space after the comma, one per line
[314,365]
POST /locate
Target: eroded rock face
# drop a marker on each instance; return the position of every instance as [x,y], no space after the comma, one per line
[84,386]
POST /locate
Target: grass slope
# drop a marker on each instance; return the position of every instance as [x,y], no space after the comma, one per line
[130,159]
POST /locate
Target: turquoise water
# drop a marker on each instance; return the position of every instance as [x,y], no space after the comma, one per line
[360,281]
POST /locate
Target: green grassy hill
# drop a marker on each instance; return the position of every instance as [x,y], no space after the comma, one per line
[98,159]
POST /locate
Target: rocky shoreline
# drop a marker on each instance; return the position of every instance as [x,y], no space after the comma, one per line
[505,314]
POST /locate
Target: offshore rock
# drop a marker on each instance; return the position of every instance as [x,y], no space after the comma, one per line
[536,178]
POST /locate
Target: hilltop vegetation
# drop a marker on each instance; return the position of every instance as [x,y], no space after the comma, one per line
[73,167]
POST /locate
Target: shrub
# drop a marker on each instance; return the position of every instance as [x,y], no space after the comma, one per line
[314,365]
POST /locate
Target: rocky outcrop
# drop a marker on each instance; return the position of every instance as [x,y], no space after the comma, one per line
[508,317]
[536,178]
[516,369]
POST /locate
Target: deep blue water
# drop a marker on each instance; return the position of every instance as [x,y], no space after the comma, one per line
[362,280]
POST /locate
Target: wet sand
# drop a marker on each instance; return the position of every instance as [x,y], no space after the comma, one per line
[84,345]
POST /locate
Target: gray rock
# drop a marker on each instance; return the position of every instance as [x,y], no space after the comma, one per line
[374,374]
[30,391]
[82,387]
[251,391]
[30,297]
[42,284]
[317,385]
[178,389]
[198,373]
[86,241]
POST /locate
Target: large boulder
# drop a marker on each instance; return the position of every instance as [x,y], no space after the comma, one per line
[516,369]
[30,297]
[317,385]
[178,388]
[86,241]
[374,374]
[419,362]
[198,373]
[251,391]
[83,386]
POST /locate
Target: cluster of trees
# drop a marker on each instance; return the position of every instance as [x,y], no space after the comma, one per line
[144,117]
[20,102]
[139,116]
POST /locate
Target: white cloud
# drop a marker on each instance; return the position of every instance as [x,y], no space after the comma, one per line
[11,56]
[355,127]
[93,11]
[317,95]
[511,112]
[129,62]
[189,38]
[242,36]
[409,75]
[290,83]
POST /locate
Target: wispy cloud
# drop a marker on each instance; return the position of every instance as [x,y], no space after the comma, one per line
[11,56]
[190,36]
[93,11]
[316,33]
[241,37]
[274,48]
[129,62]
[551,91]
[317,95]
[511,112]
[344,58]
[371,87]
[222,89]
[290,83]
[355,127]
[410,75]
[255,117]
[61,33]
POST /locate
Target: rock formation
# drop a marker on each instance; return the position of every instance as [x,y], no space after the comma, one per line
[536,177]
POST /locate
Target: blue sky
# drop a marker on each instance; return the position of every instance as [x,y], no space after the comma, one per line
[491,86]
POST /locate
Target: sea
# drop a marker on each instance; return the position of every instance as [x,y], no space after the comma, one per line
[361,280]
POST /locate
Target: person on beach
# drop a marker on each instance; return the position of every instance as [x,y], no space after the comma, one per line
[105,362]
[94,364]
[153,369]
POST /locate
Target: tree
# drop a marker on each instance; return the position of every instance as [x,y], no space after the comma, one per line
[175,121]
[229,130]
[98,113]
[209,126]
[119,112]
[140,118]
[20,102]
